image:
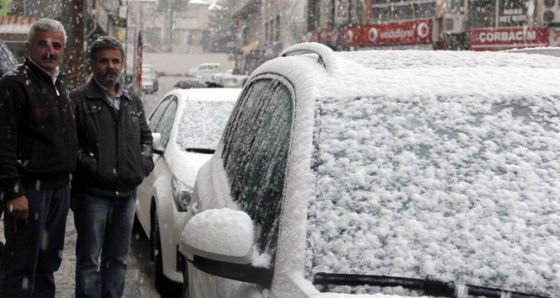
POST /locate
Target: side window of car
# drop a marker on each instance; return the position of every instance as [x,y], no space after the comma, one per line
[158,112]
[255,156]
[165,123]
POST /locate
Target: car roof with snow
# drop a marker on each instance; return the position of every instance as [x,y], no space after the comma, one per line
[414,72]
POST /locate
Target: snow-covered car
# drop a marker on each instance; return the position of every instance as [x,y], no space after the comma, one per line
[375,173]
[186,127]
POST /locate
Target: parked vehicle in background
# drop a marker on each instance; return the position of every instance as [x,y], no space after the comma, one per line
[230,80]
[148,84]
[190,83]
[149,71]
[186,126]
[374,173]
[204,71]
[7,59]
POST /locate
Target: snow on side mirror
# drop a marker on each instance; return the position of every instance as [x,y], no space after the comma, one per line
[219,234]
[156,143]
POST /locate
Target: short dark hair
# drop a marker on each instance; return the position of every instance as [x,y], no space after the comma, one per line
[105,43]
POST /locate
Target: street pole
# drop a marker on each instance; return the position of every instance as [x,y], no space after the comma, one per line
[75,45]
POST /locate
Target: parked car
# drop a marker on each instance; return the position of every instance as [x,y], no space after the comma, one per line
[7,59]
[228,80]
[186,126]
[189,83]
[149,71]
[374,173]
[204,71]
[148,84]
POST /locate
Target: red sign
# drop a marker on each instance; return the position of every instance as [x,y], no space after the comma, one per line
[507,38]
[389,34]
[139,61]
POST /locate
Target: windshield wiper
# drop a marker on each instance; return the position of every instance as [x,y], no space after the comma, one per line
[429,286]
[200,150]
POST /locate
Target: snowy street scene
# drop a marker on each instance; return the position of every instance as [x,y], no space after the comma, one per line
[280,148]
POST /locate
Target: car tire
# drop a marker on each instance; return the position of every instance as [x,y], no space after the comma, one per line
[165,286]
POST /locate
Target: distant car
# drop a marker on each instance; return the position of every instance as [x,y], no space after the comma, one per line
[7,59]
[228,80]
[383,174]
[204,71]
[148,84]
[190,83]
[148,70]
[186,126]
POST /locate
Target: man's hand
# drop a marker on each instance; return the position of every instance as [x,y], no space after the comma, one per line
[18,208]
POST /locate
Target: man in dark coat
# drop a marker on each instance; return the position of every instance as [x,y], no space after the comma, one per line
[38,152]
[114,157]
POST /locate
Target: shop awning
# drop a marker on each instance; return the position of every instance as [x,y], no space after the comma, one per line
[15,29]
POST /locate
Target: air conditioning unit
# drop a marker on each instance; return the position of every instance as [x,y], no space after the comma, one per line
[550,11]
[454,24]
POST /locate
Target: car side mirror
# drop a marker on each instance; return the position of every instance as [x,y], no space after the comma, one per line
[220,234]
[157,148]
[220,242]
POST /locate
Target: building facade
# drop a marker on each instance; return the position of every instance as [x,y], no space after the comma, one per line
[265,27]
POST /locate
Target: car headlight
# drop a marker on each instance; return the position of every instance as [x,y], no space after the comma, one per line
[182,194]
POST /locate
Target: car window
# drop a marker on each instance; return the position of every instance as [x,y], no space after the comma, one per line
[166,117]
[158,112]
[202,124]
[255,155]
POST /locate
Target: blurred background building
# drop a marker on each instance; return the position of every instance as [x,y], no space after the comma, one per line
[253,31]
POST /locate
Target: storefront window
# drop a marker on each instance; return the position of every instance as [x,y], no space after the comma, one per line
[392,10]
[497,13]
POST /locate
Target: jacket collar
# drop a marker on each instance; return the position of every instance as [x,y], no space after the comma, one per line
[41,72]
[93,90]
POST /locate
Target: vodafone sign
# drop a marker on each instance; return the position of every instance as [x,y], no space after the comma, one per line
[507,38]
[389,34]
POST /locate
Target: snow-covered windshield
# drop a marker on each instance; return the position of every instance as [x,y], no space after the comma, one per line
[202,123]
[464,189]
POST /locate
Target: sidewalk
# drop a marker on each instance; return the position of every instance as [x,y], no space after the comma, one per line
[138,278]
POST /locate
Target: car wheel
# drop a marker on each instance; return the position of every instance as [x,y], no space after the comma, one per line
[165,286]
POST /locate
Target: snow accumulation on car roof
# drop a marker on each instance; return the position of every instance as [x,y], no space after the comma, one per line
[398,73]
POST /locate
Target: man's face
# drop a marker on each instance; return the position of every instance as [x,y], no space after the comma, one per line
[47,49]
[107,67]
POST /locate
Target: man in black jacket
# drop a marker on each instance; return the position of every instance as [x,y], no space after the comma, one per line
[115,156]
[38,151]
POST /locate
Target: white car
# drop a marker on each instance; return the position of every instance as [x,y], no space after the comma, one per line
[149,71]
[376,173]
[148,84]
[228,80]
[204,71]
[186,126]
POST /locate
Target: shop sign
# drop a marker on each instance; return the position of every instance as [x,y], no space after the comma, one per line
[507,38]
[389,34]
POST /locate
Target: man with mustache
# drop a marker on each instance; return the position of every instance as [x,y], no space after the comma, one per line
[114,157]
[38,151]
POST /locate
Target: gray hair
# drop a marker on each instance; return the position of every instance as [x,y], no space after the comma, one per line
[105,43]
[48,25]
